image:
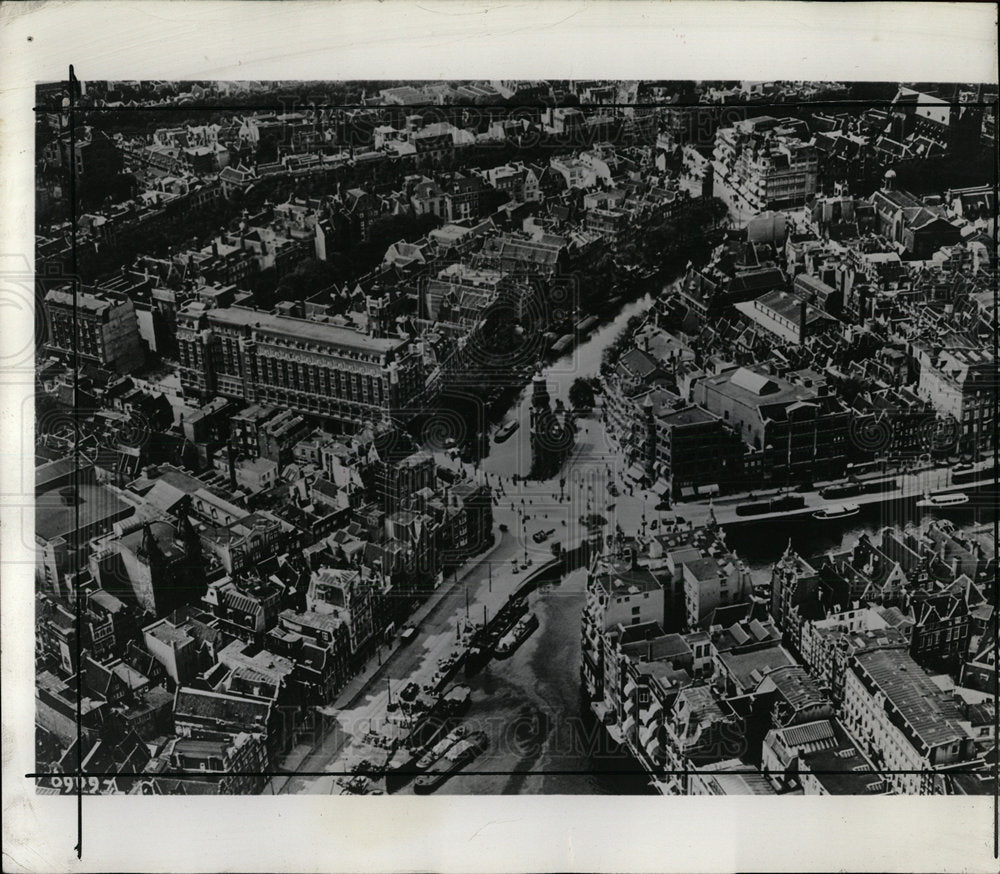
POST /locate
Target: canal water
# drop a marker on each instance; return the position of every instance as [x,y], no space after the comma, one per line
[513,456]
[761,544]
[543,737]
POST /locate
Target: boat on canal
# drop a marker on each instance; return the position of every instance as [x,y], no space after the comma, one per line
[457,700]
[479,652]
[487,636]
[449,764]
[841,490]
[943,501]
[968,472]
[431,755]
[447,668]
[837,511]
[505,620]
[563,344]
[509,643]
[426,730]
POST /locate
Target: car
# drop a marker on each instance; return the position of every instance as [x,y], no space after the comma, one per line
[539,536]
[963,467]
[503,528]
[407,634]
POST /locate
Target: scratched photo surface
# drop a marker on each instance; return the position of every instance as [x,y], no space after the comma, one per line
[514,437]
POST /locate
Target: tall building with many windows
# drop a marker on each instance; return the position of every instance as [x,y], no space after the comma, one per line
[97,327]
[766,163]
[310,367]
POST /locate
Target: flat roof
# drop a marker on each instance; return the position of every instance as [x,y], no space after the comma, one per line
[306,329]
[54,517]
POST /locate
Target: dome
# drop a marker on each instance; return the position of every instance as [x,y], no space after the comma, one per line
[890,173]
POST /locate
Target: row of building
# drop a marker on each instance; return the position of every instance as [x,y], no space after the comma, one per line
[714,690]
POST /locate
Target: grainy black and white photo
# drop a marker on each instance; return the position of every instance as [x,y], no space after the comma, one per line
[468,437]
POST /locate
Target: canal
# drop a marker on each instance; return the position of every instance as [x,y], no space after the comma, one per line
[584,360]
[761,544]
[543,737]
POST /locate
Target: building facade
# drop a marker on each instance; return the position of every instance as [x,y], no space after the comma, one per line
[310,367]
[94,327]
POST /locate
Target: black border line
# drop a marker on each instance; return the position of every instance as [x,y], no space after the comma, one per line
[75,540]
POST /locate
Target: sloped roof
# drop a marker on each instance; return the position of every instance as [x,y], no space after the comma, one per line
[756,383]
[223,709]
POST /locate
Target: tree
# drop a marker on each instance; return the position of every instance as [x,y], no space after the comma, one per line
[621,343]
[581,393]
[309,276]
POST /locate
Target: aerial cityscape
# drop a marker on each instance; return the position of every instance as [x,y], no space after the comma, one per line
[516,437]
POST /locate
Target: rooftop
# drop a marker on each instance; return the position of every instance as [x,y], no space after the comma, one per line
[57,514]
[303,329]
[749,667]
[918,701]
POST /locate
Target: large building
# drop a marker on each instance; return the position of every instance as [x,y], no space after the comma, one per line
[162,565]
[617,594]
[308,366]
[908,727]
[785,319]
[961,385]
[345,595]
[907,221]
[67,516]
[765,164]
[792,432]
[91,326]
[692,451]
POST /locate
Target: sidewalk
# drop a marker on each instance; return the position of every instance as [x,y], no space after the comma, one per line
[358,685]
